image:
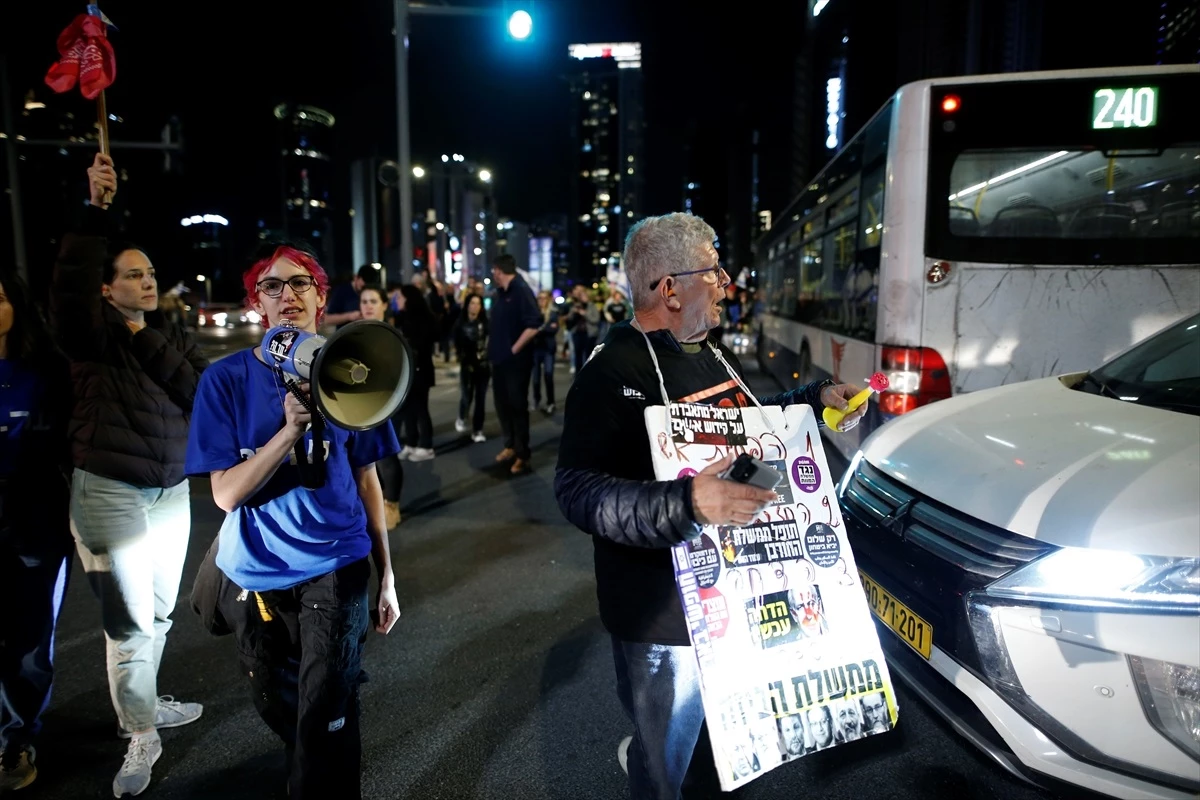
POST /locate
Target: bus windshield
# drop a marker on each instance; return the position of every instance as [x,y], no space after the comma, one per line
[1088,181]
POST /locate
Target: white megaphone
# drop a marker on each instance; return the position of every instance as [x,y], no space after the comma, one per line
[358,377]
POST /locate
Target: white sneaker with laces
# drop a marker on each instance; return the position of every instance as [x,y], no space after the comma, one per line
[405,453]
[169,713]
[478,436]
[422,454]
[623,754]
[144,750]
[460,425]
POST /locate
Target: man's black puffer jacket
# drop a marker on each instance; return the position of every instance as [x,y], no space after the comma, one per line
[632,513]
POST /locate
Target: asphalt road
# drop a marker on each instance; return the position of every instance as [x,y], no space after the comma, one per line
[496,683]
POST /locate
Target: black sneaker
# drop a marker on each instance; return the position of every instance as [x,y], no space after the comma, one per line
[17,769]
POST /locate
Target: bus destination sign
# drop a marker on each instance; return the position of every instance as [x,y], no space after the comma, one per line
[1134,107]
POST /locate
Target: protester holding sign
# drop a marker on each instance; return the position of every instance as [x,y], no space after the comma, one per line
[605,482]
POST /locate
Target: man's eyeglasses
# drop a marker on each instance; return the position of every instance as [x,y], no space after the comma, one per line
[716,269]
[273,287]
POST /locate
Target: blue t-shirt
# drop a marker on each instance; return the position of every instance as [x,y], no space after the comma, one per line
[20,393]
[285,534]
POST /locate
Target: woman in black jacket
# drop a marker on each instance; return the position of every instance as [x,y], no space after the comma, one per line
[134,377]
[35,538]
[416,322]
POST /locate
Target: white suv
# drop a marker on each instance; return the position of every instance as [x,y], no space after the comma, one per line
[1032,554]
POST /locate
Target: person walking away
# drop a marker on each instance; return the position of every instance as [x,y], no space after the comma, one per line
[471,343]
[35,535]
[135,378]
[293,550]
[418,325]
[515,320]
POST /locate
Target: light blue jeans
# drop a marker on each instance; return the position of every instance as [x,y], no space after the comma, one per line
[659,687]
[132,542]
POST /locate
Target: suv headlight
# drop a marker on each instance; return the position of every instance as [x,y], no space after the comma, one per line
[1078,576]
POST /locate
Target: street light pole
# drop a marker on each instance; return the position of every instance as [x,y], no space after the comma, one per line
[401,11]
[14,178]
[405,144]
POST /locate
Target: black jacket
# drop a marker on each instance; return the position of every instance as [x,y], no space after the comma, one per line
[133,392]
[421,332]
[605,483]
[470,341]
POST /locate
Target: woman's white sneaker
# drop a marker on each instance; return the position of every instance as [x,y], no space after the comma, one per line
[143,751]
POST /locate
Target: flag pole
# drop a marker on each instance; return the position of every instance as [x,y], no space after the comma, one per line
[102,124]
[101,109]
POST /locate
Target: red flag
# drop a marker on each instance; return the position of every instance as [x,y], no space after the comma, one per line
[87,57]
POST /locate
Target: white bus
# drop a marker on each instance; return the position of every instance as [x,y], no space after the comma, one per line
[986,230]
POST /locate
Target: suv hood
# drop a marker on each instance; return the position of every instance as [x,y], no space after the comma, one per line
[1062,466]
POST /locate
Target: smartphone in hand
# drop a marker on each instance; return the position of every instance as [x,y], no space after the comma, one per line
[748,469]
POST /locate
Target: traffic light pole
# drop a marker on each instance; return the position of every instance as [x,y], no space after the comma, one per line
[401,11]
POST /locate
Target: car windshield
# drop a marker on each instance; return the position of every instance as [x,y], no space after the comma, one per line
[1163,371]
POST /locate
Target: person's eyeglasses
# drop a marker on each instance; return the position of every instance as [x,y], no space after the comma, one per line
[716,269]
[273,287]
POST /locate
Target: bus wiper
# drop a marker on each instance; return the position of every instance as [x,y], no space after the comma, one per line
[1100,385]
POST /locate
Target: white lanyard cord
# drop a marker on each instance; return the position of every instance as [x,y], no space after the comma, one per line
[662,387]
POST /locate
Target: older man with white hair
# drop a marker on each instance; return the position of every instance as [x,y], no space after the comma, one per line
[605,482]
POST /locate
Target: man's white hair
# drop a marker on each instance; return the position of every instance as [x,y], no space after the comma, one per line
[658,246]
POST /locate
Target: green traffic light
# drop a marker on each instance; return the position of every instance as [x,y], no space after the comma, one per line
[520,24]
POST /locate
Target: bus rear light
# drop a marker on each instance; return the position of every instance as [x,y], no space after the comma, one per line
[951,103]
[917,376]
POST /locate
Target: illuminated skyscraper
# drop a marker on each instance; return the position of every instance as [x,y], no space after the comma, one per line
[608,129]
[306,175]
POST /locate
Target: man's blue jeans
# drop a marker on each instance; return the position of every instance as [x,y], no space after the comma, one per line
[659,687]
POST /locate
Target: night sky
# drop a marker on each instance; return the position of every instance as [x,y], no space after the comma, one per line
[224,66]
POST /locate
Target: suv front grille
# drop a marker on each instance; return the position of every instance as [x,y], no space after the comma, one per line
[970,545]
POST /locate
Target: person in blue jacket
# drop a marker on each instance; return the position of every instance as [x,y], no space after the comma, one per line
[35,537]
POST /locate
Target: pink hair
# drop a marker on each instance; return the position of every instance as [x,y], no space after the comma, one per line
[301,259]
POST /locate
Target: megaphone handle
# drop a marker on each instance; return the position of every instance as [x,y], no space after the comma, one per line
[309,406]
[312,473]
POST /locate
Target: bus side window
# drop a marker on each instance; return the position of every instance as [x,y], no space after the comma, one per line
[870,213]
[811,274]
[790,276]
[840,255]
